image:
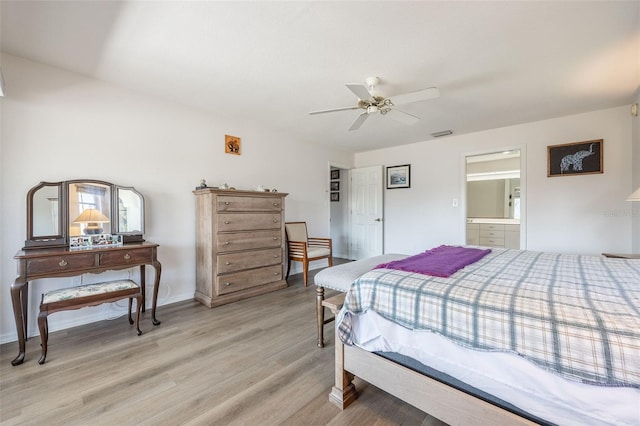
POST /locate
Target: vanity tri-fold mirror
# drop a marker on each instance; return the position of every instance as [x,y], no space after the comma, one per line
[58,212]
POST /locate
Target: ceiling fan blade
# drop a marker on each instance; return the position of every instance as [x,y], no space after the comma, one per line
[361,118]
[333,110]
[420,95]
[360,90]
[402,117]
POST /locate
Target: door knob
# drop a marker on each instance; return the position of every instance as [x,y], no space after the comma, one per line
[378,220]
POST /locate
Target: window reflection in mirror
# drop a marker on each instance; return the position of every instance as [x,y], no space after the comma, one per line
[130,211]
[46,213]
[89,208]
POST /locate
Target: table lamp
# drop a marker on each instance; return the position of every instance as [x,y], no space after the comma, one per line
[635,196]
[92,218]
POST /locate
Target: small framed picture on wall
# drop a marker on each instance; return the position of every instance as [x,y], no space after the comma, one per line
[335,196]
[335,186]
[335,174]
[399,176]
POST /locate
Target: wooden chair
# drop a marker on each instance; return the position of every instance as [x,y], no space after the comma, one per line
[303,248]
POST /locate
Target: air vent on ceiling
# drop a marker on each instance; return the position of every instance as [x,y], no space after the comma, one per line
[442,133]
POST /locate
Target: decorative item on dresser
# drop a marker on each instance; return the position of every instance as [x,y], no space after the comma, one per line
[239,244]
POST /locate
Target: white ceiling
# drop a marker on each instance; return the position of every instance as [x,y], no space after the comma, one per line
[270,63]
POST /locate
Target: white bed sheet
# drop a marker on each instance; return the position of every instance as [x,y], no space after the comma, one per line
[504,375]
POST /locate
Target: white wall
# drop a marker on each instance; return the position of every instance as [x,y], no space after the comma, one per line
[58,125]
[571,214]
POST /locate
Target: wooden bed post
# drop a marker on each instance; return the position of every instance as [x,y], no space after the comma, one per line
[343,392]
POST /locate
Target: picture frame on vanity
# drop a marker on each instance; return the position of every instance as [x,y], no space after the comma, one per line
[399,176]
[577,158]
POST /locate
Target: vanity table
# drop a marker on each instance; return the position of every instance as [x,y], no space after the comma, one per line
[78,227]
[63,262]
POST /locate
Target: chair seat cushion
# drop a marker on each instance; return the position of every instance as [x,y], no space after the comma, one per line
[88,290]
[317,251]
[340,277]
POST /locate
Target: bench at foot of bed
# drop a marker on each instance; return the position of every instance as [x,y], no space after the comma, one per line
[340,278]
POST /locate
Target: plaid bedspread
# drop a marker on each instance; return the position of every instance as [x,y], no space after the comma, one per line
[578,316]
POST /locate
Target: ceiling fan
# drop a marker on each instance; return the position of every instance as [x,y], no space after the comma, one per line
[371,102]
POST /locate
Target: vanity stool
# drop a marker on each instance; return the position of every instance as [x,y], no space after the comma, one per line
[86,295]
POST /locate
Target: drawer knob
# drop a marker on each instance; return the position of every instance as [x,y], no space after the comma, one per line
[62,263]
[275,256]
[227,284]
[275,238]
[226,243]
[226,203]
[127,256]
[276,273]
[275,220]
[227,263]
[275,204]
[226,222]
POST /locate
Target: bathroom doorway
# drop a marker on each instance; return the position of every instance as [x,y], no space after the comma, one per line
[495,199]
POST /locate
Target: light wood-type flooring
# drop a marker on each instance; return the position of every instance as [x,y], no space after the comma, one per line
[253,362]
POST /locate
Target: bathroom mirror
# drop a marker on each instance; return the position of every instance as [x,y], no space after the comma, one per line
[493,185]
[61,210]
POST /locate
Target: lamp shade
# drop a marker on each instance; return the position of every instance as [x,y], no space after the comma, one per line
[91,216]
[635,196]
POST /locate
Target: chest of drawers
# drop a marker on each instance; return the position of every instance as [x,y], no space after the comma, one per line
[239,244]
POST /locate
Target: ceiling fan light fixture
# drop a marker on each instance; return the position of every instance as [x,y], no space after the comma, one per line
[371,102]
[442,133]
[372,81]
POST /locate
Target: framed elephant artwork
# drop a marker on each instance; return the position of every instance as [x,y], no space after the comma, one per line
[577,158]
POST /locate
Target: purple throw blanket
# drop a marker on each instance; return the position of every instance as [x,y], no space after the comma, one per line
[441,261]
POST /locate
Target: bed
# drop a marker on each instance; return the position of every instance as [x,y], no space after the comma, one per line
[568,350]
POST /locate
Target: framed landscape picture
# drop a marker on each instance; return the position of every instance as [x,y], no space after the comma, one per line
[578,158]
[399,176]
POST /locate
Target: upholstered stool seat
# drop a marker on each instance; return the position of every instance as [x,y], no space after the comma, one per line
[340,278]
[83,296]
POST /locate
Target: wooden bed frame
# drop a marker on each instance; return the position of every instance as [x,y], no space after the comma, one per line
[439,400]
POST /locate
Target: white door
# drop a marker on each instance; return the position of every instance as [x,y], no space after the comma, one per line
[366,212]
